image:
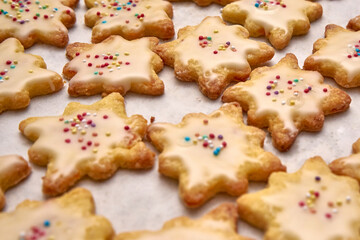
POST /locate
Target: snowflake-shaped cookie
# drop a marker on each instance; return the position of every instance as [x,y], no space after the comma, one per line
[348,166]
[212,153]
[287,100]
[93,140]
[114,65]
[13,169]
[213,54]
[219,224]
[69,217]
[354,24]
[337,56]
[278,20]
[33,21]
[311,203]
[23,76]
[129,18]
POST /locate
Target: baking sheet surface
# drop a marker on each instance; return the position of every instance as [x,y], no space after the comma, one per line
[135,200]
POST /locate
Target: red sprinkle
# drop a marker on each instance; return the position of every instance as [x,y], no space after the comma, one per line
[205,144]
[89,143]
[349,56]
[105,116]
[66,129]
[211,135]
[89,64]
[224,144]
[67,140]
[328,215]
[301,204]
[215,52]
[77,54]
[127,128]
[8,62]
[268,93]
[68,11]
[325,90]
[83,147]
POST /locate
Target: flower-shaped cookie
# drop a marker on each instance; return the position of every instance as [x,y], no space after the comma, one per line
[212,153]
[337,56]
[93,140]
[204,3]
[354,24]
[13,169]
[287,100]
[278,20]
[129,18]
[348,166]
[114,65]
[219,224]
[69,217]
[213,54]
[311,203]
[33,21]
[23,76]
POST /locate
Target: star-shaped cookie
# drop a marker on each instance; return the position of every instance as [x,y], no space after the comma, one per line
[212,153]
[130,19]
[204,3]
[13,169]
[354,24]
[337,56]
[220,224]
[348,166]
[23,76]
[93,140]
[278,20]
[33,21]
[311,203]
[287,100]
[114,65]
[69,217]
[213,55]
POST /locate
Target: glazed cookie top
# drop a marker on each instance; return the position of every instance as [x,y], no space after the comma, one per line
[213,46]
[115,61]
[18,70]
[24,18]
[286,91]
[326,205]
[55,219]
[129,14]
[274,14]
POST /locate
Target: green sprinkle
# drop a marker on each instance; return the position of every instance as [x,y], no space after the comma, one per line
[208,38]
[296,80]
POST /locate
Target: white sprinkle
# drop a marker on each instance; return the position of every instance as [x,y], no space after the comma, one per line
[335,210]
[77,125]
[296,93]
[200,138]
[84,61]
[86,126]
[294,84]
[301,79]
[95,114]
[283,102]
[348,198]
[308,195]
[88,114]
[84,120]
[118,68]
[52,15]
[111,70]
[211,146]
[209,141]
[6,70]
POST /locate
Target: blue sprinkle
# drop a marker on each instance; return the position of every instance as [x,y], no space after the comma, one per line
[187,139]
[128,3]
[358,50]
[118,8]
[47,223]
[257,5]
[103,22]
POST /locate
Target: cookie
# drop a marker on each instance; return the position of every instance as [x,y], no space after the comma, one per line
[337,56]
[70,3]
[23,76]
[354,24]
[311,203]
[348,166]
[212,153]
[32,21]
[220,224]
[93,140]
[204,3]
[69,217]
[115,65]
[287,100]
[129,19]
[213,55]
[277,20]
[13,169]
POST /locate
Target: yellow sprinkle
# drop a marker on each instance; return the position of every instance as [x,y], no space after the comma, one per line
[339,203]
[216,31]
[95,150]
[51,238]
[73,130]
[266,7]
[141,19]
[7,78]
[107,134]
[194,142]
[108,53]
[117,64]
[83,132]
[31,71]
[126,54]
[109,67]
[292,102]
[77,121]
[273,85]
[115,58]
[281,90]
[113,63]
[274,99]
[148,6]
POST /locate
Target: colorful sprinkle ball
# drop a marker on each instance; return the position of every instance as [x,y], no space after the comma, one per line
[266,4]
[111,9]
[80,126]
[208,141]
[206,41]
[353,50]
[5,67]
[296,87]
[99,63]
[25,11]
[36,232]
[312,198]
